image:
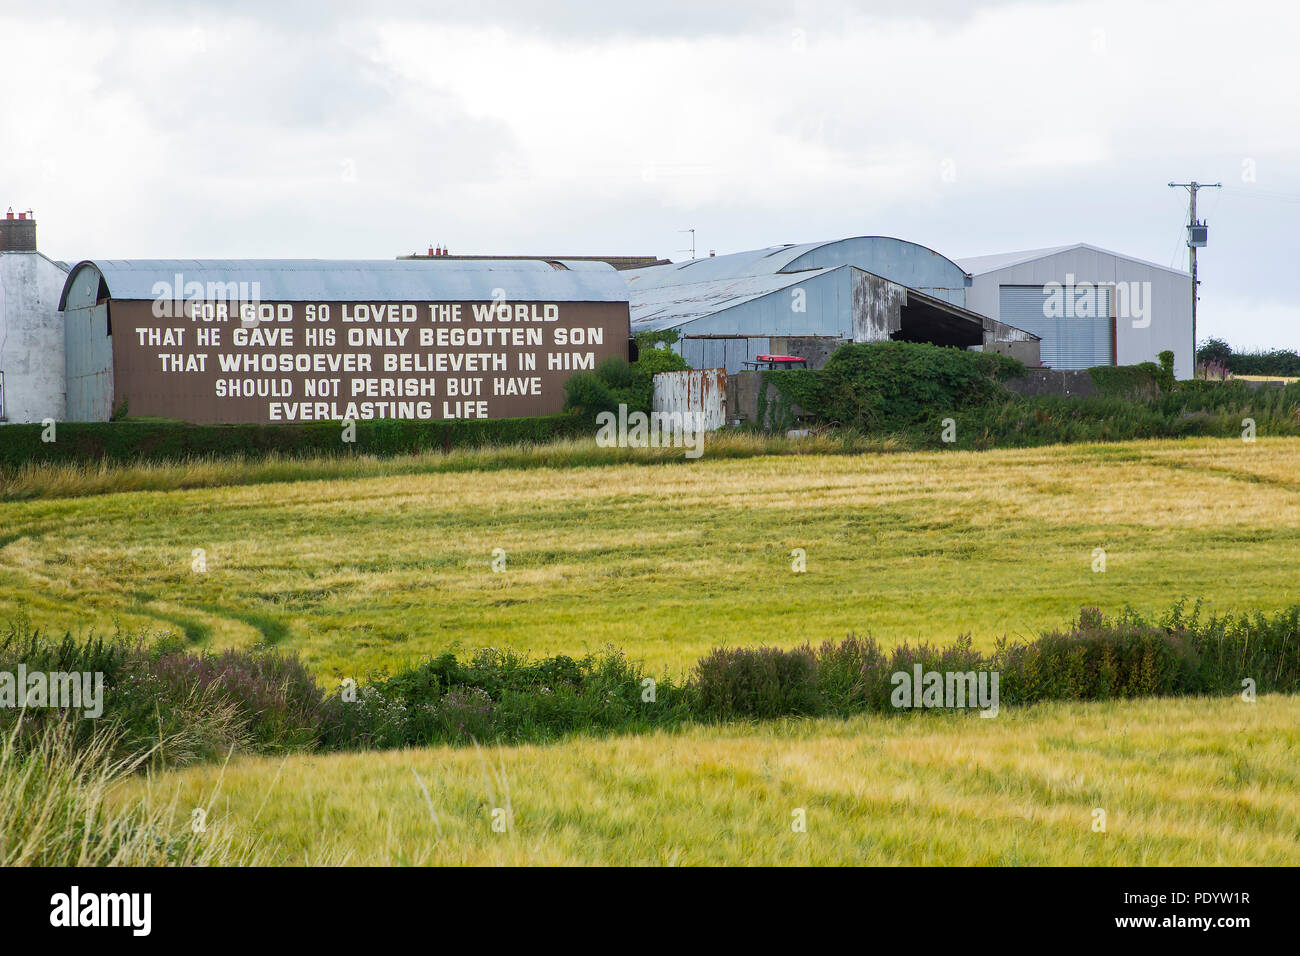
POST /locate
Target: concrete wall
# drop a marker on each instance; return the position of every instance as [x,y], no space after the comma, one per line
[1064,383]
[1026,350]
[1170,301]
[31,337]
[742,401]
[816,349]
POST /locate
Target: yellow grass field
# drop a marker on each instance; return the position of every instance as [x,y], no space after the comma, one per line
[1181,782]
[668,560]
[383,563]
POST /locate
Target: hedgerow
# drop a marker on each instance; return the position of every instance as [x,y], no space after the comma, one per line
[182,707]
[1281,362]
[138,441]
[909,391]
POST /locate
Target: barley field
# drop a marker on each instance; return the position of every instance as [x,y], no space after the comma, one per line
[366,564]
[1180,782]
[368,568]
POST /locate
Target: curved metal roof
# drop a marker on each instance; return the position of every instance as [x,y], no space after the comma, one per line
[360,280]
[787,258]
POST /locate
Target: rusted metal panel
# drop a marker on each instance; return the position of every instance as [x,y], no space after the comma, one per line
[877,305]
[695,392]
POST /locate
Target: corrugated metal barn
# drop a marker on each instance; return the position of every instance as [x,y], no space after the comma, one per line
[807,299]
[1090,306]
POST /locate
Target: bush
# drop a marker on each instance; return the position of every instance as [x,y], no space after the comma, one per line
[757,683]
[851,675]
[1280,362]
[653,361]
[1141,382]
[500,696]
[256,700]
[1165,379]
[465,713]
[181,706]
[901,384]
[617,382]
[1214,350]
[1283,362]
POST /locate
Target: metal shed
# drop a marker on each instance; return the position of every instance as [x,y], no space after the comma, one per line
[1090,306]
[806,299]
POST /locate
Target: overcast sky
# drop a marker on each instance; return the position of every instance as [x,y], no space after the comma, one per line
[373,130]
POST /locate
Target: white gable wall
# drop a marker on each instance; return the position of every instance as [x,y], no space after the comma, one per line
[31,337]
[1170,305]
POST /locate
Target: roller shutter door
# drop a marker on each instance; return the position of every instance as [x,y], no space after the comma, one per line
[1076,334]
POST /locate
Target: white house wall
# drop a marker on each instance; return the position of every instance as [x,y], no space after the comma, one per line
[31,337]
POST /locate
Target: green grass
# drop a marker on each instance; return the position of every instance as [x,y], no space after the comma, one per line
[666,560]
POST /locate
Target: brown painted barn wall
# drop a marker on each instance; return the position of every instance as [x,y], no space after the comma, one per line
[147,390]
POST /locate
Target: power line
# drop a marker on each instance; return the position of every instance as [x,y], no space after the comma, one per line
[1265,194]
[1196,237]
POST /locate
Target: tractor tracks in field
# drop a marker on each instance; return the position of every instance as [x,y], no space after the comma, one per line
[1222,471]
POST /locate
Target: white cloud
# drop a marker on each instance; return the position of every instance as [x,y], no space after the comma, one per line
[204,130]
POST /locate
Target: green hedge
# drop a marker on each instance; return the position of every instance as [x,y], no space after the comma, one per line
[894,385]
[134,441]
[1139,382]
[259,700]
[904,390]
[1282,362]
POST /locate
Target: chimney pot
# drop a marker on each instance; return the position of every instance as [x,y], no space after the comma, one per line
[18,232]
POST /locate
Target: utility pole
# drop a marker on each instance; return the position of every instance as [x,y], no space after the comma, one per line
[692,232]
[1197,235]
